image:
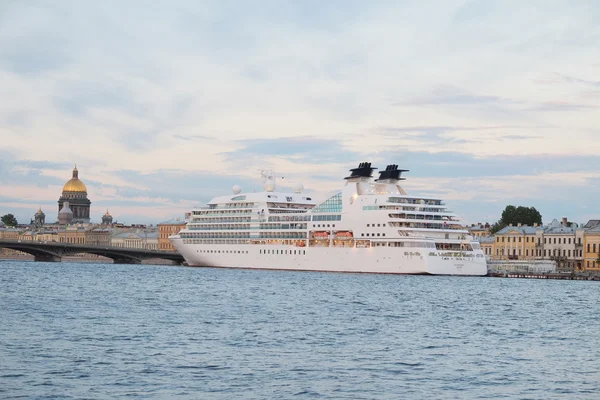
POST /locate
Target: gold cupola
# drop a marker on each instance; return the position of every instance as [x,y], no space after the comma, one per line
[74,185]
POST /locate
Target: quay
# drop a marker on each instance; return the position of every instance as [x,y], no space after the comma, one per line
[53,251]
[523,275]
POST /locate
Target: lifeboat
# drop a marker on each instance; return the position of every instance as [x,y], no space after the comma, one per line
[321,235]
[344,235]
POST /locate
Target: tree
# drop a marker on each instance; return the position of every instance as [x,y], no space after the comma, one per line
[517,215]
[9,220]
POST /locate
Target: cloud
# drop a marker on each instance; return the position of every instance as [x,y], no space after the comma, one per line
[173,103]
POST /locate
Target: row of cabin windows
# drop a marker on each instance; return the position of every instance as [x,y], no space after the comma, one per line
[225,251]
[371,234]
[319,226]
[283,252]
[373,225]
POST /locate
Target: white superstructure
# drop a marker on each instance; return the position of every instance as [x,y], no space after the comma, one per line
[370,225]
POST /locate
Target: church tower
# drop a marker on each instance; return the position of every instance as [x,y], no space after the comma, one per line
[39,219]
[107,219]
[75,194]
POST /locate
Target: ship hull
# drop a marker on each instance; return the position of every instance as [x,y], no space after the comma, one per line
[379,260]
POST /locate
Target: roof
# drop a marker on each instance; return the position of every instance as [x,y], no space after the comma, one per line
[592,223]
[523,230]
[595,229]
[74,185]
[486,239]
[173,221]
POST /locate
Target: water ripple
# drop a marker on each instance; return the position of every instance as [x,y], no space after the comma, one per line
[116,331]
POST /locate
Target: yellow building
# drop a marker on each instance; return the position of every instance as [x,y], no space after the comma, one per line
[479,230]
[72,234]
[487,245]
[515,242]
[591,248]
[166,229]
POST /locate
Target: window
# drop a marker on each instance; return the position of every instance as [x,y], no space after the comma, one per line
[333,204]
[368,225]
[378,225]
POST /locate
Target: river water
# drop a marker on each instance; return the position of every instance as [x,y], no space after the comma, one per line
[103,331]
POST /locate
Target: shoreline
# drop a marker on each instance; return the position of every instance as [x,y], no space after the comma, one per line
[87,260]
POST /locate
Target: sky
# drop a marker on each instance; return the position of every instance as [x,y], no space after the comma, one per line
[163,105]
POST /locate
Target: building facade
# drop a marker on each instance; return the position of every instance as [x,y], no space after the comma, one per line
[487,245]
[72,235]
[516,242]
[479,230]
[591,249]
[98,236]
[564,244]
[166,229]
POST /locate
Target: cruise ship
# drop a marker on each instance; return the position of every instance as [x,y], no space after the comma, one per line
[371,225]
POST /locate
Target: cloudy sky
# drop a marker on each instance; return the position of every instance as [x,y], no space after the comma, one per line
[164,104]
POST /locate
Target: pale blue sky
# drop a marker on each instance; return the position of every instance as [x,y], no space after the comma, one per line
[164,104]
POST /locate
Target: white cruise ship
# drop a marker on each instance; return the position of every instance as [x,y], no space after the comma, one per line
[369,226]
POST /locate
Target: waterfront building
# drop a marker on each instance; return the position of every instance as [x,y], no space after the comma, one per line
[72,234]
[564,244]
[98,236]
[9,233]
[487,245]
[166,229]
[516,242]
[591,249]
[26,236]
[75,193]
[479,230]
[136,239]
[46,236]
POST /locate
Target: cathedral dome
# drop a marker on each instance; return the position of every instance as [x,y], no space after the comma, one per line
[74,185]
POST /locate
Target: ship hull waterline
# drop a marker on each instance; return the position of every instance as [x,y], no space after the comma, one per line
[376,260]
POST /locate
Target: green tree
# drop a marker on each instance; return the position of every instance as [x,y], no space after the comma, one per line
[9,220]
[517,215]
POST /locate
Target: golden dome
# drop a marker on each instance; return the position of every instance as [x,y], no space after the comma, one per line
[74,184]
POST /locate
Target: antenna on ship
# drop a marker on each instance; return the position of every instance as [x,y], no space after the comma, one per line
[269,177]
